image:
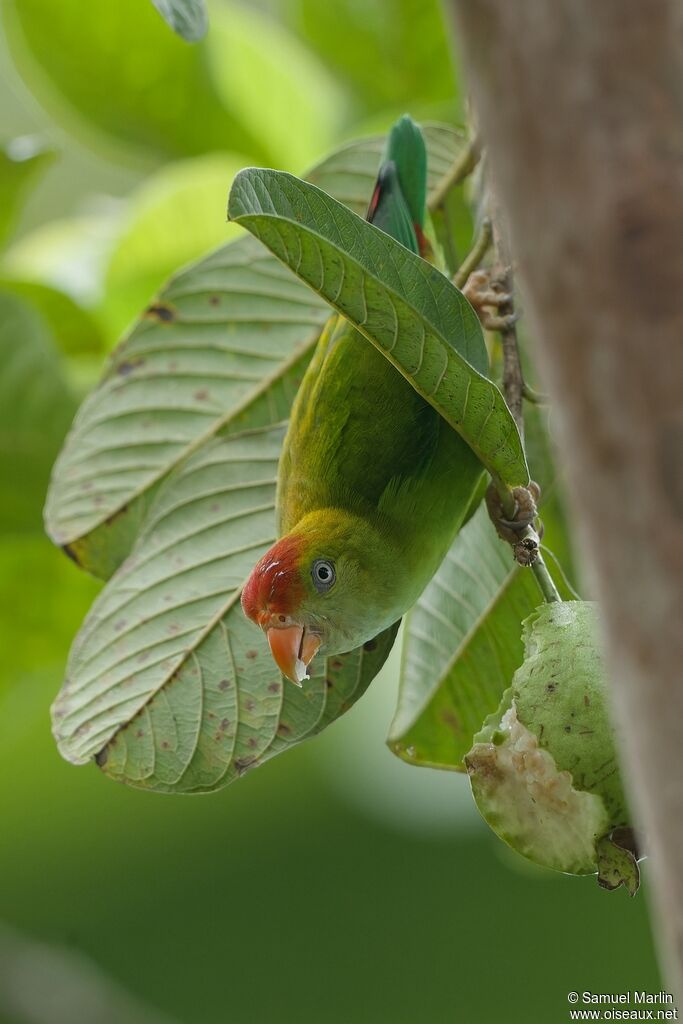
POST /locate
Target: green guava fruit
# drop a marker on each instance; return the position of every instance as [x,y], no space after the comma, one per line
[543,768]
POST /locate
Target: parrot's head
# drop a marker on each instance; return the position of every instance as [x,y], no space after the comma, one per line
[309,591]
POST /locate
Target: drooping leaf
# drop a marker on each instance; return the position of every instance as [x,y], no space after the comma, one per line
[402,304]
[234,329]
[168,683]
[36,407]
[186,17]
[462,642]
[115,73]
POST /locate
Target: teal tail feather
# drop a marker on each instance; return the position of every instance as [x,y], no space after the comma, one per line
[398,204]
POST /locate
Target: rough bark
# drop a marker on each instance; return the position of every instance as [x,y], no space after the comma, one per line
[580,106]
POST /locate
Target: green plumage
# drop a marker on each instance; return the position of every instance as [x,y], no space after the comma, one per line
[371,476]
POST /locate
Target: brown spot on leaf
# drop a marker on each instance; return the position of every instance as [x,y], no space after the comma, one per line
[283,729]
[140,733]
[249,705]
[252,743]
[160,312]
[225,724]
[273,687]
[224,684]
[449,718]
[214,300]
[165,744]
[252,654]
[128,365]
[201,395]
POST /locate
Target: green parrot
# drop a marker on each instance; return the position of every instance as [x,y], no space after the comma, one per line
[373,484]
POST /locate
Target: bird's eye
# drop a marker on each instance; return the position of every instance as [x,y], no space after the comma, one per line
[323,575]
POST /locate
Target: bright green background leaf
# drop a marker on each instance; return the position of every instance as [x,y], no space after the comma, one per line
[393,54]
[143,87]
[301,117]
[21,160]
[177,216]
[36,406]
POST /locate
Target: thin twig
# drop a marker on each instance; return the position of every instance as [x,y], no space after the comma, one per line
[462,167]
[533,396]
[558,565]
[513,389]
[476,254]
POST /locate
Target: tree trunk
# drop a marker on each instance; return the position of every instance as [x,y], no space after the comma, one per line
[580,105]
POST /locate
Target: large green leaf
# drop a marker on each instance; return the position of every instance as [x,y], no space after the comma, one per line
[202,359]
[462,642]
[36,406]
[232,331]
[406,307]
[186,17]
[114,71]
[21,160]
[168,684]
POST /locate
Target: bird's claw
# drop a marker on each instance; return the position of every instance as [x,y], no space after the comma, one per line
[486,293]
[524,515]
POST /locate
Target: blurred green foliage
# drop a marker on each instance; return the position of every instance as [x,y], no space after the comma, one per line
[335,884]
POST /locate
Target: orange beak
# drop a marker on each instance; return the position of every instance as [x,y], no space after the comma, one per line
[293,649]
